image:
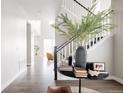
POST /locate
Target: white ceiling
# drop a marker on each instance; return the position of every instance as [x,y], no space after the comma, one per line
[37,9]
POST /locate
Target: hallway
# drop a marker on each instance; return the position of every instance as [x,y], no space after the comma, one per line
[37,78]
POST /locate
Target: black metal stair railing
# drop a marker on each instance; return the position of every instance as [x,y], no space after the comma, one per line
[57,49]
[84,7]
[65,43]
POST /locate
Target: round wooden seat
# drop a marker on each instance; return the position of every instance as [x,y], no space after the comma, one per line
[59,89]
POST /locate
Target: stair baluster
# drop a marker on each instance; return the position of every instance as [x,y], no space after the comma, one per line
[72,47]
[69,49]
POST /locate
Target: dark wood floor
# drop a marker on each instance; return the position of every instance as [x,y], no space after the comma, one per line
[39,77]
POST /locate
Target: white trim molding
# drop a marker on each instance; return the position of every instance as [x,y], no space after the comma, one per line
[119,80]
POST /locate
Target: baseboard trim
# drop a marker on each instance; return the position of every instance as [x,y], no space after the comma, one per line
[11,80]
[116,79]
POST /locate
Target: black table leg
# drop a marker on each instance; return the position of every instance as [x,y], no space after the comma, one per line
[79,85]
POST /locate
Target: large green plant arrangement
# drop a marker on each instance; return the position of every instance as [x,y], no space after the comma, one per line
[89,24]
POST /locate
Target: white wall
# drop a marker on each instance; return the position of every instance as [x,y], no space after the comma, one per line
[47,31]
[13,34]
[102,52]
[117,5]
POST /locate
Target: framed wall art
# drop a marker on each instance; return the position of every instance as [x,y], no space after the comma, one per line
[99,66]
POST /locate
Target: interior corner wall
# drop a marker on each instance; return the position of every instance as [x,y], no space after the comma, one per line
[13,42]
[102,52]
[117,5]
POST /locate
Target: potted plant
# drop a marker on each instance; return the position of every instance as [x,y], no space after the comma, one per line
[89,24]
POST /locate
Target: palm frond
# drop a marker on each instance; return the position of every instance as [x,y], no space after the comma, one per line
[89,24]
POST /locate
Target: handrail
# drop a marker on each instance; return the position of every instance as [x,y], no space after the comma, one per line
[65,42]
[108,13]
[84,7]
[58,49]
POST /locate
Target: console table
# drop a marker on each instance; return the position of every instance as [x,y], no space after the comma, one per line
[71,74]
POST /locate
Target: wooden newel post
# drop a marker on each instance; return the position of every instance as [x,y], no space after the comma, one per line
[55,63]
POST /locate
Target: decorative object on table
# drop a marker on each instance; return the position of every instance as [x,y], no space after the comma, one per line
[49,56]
[96,70]
[36,49]
[96,73]
[93,73]
[64,61]
[79,72]
[80,57]
[59,89]
[65,67]
[90,66]
[70,60]
[99,66]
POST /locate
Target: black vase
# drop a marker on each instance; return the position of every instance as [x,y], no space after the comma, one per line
[70,60]
[80,57]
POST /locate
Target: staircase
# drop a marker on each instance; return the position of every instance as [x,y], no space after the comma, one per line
[68,48]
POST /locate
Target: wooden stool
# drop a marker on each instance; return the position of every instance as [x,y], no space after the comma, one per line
[59,89]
